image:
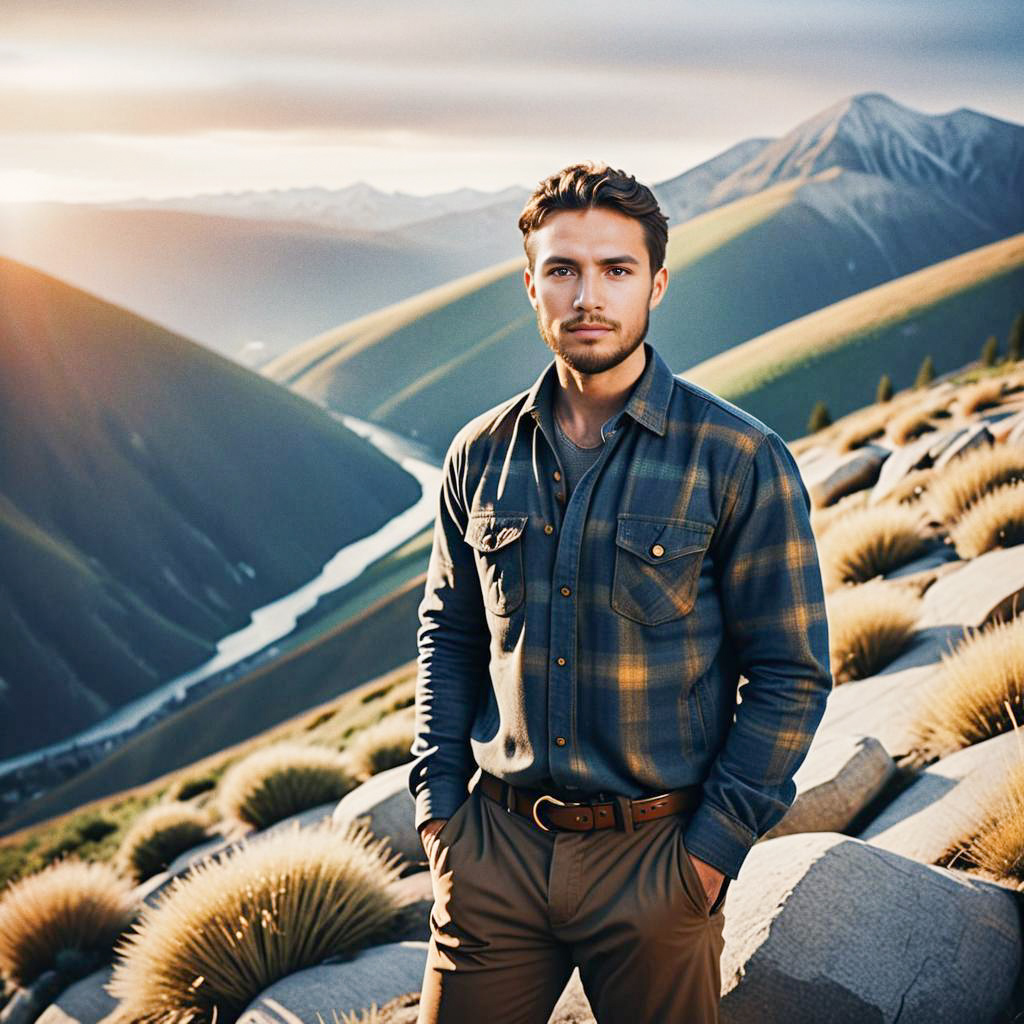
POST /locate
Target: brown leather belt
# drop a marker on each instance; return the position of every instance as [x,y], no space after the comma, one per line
[551,813]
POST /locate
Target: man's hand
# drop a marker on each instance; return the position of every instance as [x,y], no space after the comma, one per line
[428,831]
[711,878]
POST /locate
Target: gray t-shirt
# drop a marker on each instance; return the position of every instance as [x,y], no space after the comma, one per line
[575,460]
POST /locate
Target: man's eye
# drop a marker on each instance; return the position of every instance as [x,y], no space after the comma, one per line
[555,272]
[623,269]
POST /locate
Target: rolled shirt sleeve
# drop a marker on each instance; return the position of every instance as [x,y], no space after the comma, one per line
[454,642]
[773,609]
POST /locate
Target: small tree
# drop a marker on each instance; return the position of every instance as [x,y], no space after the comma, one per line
[925,373]
[819,418]
[989,351]
[884,391]
[1014,341]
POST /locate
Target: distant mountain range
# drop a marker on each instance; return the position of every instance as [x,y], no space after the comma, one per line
[862,194]
[152,495]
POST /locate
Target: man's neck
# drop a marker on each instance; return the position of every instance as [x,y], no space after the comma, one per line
[583,402]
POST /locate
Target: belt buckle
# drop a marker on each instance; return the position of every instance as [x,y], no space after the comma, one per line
[555,800]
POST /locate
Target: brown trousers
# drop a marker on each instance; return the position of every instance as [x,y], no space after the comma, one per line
[515,908]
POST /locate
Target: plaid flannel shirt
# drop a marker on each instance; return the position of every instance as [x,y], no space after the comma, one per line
[598,640]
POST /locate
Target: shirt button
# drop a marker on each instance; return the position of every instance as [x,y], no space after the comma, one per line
[548,528]
[560,740]
[561,661]
[566,591]
[657,551]
[557,475]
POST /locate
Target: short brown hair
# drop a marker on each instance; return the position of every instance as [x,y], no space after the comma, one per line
[586,185]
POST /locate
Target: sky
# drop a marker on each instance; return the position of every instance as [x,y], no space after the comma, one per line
[111,99]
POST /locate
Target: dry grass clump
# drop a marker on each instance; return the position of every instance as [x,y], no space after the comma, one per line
[986,393]
[280,780]
[912,487]
[868,626]
[822,517]
[368,1016]
[869,542]
[995,520]
[970,476]
[997,847]
[158,836]
[978,680]
[917,420]
[384,745]
[238,922]
[868,425]
[65,917]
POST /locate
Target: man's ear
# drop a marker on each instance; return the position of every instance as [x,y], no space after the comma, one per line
[658,286]
[531,289]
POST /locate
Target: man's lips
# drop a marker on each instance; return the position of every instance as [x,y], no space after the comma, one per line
[590,330]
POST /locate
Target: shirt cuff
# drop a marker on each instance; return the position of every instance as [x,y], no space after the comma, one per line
[441,800]
[718,838]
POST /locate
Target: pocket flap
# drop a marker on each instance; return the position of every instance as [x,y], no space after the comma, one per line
[491,531]
[661,540]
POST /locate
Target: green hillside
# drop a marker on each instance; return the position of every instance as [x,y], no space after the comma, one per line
[152,494]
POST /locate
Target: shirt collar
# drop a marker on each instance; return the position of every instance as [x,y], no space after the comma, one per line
[648,402]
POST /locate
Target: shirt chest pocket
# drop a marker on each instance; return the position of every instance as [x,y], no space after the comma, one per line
[657,567]
[497,542]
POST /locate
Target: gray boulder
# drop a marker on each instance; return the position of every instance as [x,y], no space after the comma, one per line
[947,802]
[990,585]
[824,927]
[385,804]
[839,777]
[84,1002]
[919,453]
[373,975]
[976,435]
[833,475]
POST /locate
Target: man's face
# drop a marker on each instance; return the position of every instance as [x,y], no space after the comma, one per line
[591,267]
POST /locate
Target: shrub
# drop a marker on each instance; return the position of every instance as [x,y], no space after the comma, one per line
[280,780]
[997,847]
[819,418]
[869,424]
[983,394]
[158,836]
[916,420]
[869,542]
[1013,342]
[869,625]
[995,520]
[65,917]
[884,390]
[381,746]
[241,920]
[925,373]
[969,701]
[989,351]
[970,476]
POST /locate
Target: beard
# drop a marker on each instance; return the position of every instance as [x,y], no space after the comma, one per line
[592,360]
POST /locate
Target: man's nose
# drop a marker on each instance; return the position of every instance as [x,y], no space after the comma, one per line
[588,293]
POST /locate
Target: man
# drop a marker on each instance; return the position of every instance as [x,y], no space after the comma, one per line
[612,549]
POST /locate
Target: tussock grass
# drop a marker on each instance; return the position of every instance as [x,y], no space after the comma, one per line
[986,393]
[911,488]
[869,542]
[917,420]
[868,626]
[369,1016]
[280,780]
[240,921]
[970,476]
[997,847]
[382,746]
[822,517]
[158,836]
[869,425]
[995,520]
[978,680]
[65,917]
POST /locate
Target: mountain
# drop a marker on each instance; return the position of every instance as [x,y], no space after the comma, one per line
[152,495]
[766,249]
[837,354]
[358,207]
